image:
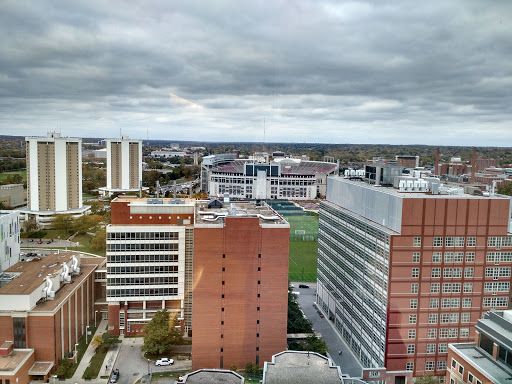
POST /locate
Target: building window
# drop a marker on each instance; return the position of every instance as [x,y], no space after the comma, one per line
[461,369]
[438,241]
[435,272]
[414,288]
[410,349]
[449,241]
[223,255]
[414,303]
[469,272]
[459,241]
[471,242]
[458,257]
[464,332]
[432,318]
[222,309]
[412,319]
[470,257]
[468,287]
[454,363]
[429,366]
[259,269]
[20,340]
[442,348]
[415,272]
[258,309]
[409,366]
[431,348]
[466,302]
[259,255]
[441,366]
[437,257]
[465,317]
[448,257]
[416,242]
[432,333]
[434,303]
[416,257]
[434,288]
[412,334]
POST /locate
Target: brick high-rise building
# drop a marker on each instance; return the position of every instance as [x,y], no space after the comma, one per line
[240,285]
[405,270]
[124,165]
[54,177]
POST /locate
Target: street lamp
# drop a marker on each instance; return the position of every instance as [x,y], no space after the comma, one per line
[95,312]
[54,377]
[86,333]
[76,351]
[148,366]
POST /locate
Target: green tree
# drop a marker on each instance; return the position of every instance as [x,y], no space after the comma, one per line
[62,223]
[99,242]
[249,367]
[161,334]
[105,340]
[426,380]
[30,225]
[97,207]
[233,367]
[314,344]
[297,323]
[505,189]
[64,368]
[86,223]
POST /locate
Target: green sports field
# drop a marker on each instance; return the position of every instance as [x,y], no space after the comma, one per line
[303,247]
[3,176]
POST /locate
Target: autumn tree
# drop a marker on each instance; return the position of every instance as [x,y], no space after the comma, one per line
[161,334]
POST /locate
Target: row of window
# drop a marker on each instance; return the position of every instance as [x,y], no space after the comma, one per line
[444,333]
[142,235]
[429,365]
[493,302]
[447,318]
[451,287]
[449,241]
[141,258]
[460,369]
[469,272]
[123,247]
[140,269]
[142,292]
[446,303]
[431,348]
[160,280]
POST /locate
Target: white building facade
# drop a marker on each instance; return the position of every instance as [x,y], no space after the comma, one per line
[9,239]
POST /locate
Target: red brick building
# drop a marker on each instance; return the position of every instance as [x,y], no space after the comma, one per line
[44,311]
[404,272]
[240,285]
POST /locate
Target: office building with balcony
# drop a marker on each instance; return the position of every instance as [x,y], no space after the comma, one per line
[407,266]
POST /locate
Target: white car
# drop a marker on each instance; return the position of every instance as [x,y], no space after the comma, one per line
[164,361]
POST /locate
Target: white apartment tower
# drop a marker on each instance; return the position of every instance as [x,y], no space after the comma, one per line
[124,165]
[54,174]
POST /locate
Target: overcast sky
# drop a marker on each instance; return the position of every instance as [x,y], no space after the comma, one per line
[397,72]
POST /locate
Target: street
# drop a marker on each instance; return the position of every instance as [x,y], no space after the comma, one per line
[347,361]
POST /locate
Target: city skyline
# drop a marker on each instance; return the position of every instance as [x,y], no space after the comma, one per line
[353,72]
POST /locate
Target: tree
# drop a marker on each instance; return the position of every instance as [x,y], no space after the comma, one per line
[505,189]
[161,334]
[64,368]
[97,207]
[30,225]
[297,323]
[62,223]
[426,380]
[105,340]
[233,367]
[249,367]
[99,242]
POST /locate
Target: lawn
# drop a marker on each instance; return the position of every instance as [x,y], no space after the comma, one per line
[3,176]
[85,241]
[303,254]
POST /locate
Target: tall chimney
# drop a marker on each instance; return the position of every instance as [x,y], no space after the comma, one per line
[436,169]
[473,166]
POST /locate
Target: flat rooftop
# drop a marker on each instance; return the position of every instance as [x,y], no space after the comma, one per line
[408,195]
[291,367]
[11,362]
[496,371]
[213,376]
[217,214]
[31,274]
[146,200]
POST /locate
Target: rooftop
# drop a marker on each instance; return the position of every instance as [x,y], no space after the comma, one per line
[290,367]
[11,362]
[288,167]
[494,370]
[445,192]
[213,376]
[145,200]
[216,213]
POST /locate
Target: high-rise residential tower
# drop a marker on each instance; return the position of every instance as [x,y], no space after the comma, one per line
[404,269]
[124,165]
[54,177]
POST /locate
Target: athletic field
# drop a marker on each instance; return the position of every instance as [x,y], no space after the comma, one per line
[303,247]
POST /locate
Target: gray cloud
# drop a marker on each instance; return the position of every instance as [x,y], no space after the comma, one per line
[359,71]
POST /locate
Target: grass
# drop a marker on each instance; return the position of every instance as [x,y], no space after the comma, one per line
[82,347]
[303,257]
[97,362]
[85,245]
[303,254]
[3,176]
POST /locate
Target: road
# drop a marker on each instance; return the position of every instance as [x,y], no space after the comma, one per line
[346,361]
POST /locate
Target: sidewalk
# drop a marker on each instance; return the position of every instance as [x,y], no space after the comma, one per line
[86,358]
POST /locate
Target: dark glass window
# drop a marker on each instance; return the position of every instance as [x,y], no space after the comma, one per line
[20,340]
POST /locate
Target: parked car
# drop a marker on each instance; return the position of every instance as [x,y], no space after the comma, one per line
[115,376]
[164,361]
[303,286]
